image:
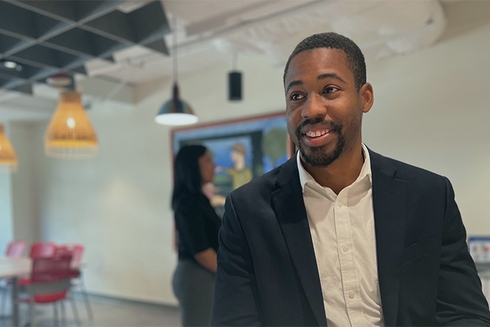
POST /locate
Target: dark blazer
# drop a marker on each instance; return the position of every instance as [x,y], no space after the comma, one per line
[267,273]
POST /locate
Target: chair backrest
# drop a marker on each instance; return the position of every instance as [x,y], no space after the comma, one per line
[50,279]
[51,269]
[42,250]
[76,250]
[16,249]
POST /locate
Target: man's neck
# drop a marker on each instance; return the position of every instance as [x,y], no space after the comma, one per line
[340,173]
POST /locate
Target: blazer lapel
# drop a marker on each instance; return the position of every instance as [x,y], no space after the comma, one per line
[291,213]
[389,206]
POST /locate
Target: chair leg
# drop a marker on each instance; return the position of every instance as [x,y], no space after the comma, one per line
[63,313]
[32,308]
[4,300]
[6,297]
[75,311]
[56,322]
[85,298]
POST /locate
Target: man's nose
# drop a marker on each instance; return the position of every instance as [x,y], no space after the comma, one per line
[314,107]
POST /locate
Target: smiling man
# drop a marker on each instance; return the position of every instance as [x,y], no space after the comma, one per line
[340,235]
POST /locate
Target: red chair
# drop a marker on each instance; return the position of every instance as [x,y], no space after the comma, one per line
[76,251]
[16,249]
[49,282]
[42,250]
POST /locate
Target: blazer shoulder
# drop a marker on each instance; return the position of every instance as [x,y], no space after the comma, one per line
[403,170]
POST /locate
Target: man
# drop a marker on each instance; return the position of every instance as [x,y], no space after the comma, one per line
[341,235]
[240,173]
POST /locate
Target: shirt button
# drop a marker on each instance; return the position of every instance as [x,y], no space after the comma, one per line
[345,248]
[339,204]
[351,295]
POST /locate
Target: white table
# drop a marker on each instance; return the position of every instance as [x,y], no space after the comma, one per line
[14,268]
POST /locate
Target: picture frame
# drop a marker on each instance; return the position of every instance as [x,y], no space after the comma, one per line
[479,248]
[242,149]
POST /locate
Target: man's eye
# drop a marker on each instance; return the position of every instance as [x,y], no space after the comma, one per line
[330,89]
[296,96]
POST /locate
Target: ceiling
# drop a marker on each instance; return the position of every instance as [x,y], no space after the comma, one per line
[39,39]
[133,40]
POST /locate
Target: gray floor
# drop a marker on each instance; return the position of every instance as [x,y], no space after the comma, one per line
[107,312]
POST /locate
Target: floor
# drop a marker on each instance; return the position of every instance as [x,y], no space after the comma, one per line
[107,312]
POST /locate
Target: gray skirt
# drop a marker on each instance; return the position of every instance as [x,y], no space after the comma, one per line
[194,288]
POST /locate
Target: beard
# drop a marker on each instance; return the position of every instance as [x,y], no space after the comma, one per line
[320,156]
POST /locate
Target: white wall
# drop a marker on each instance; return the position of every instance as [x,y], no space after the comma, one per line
[24,183]
[430,110]
[6,228]
[6,220]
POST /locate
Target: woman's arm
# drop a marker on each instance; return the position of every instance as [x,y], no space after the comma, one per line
[207,259]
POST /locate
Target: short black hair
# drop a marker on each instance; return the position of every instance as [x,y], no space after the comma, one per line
[187,176]
[332,40]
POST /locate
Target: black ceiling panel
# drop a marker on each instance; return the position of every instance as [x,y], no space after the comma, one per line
[46,37]
[60,10]
[17,21]
[84,43]
[24,72]
[11,44]
[148,23]
[115,25]
[4,80]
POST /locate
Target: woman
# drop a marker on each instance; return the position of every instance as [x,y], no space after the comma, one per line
[197,226]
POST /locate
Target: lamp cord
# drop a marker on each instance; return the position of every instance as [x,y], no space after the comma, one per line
[175,49]
[235,59]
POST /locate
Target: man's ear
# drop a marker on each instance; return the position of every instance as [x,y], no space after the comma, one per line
[367,97]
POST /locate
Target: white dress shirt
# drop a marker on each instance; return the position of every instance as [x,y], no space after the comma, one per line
[342,231]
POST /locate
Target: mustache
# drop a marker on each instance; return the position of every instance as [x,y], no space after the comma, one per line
[330,124]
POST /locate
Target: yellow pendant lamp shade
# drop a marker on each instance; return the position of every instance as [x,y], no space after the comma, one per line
[70,133]
[8,158]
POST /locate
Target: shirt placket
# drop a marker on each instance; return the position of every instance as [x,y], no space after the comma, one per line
[345,248]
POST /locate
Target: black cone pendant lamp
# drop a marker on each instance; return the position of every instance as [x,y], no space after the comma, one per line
[176,112]
[234,82]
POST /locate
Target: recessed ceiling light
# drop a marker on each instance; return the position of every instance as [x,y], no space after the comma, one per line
[10,64]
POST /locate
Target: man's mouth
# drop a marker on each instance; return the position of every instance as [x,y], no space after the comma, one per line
[314,134]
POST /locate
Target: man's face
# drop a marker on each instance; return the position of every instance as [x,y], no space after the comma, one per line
[236,156]
[323,107]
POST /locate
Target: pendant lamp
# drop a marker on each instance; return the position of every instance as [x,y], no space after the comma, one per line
[235,82]
[175,111]
[70,134]
[8,158]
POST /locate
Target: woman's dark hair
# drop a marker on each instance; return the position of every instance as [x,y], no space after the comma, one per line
[187,176]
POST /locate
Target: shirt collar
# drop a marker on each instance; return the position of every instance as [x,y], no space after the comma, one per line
[365,172]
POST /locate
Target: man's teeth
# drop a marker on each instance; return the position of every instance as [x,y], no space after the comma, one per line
[316,134]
